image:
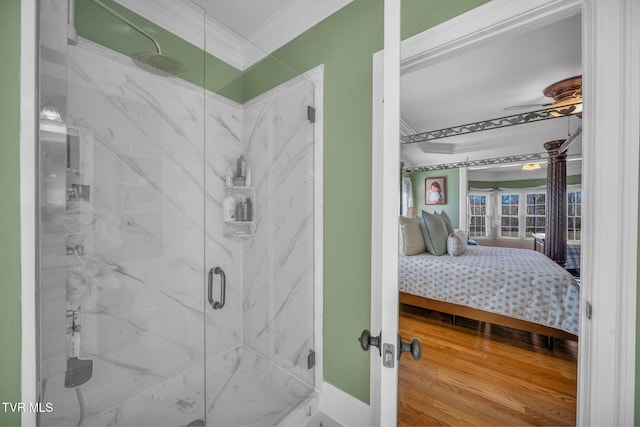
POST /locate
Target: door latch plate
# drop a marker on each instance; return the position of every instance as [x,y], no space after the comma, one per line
[388,355]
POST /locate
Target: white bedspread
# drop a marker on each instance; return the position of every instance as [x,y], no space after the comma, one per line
[518,283]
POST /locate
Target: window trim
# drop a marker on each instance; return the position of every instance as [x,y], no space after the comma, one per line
[494,214]
[499,216]
[574,189]
[487,216]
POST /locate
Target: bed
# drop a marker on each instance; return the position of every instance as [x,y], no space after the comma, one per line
[516,288]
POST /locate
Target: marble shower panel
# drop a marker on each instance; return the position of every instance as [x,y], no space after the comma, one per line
[279,261]
[146,226]
[152,228]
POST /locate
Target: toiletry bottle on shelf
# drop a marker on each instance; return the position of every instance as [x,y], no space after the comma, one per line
[249,209]
[239,208]
[229,207]
[229,177]
[248,180]
[241,167]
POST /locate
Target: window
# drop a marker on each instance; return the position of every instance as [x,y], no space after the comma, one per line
[478,213]
[521,214]
[574,214]
[407,196]
[536,213]
[509,215]
[518,214]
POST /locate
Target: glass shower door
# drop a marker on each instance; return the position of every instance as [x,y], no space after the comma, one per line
[261,344]
[122,226]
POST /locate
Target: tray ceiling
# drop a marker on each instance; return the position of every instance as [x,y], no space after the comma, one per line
[479,85]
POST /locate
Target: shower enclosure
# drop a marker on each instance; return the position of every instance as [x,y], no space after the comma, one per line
[154,310]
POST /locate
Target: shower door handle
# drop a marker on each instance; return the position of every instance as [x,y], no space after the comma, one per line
[217,305]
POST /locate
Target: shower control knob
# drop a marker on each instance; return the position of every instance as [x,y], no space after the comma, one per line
[366,340]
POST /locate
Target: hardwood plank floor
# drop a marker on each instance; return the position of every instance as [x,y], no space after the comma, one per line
[483,375]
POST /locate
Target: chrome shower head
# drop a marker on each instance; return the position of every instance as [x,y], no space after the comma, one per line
[158,63]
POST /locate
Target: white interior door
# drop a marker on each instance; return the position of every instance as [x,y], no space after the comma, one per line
[385,194]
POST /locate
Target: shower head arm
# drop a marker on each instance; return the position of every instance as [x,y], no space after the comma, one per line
[129,23]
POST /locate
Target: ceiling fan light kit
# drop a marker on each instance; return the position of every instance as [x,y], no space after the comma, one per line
[566,95]
[531,166]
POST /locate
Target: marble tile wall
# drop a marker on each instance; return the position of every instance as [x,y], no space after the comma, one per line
[278,263]
[148,236]
[131,245]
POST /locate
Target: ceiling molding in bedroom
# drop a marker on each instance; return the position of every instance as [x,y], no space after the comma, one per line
[485,125]
[405,127]
[185,20]
[504,141]
[482,162]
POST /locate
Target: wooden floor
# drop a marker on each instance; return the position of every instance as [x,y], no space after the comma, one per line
[483,375]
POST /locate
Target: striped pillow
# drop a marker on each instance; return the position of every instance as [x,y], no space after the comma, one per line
[456,243]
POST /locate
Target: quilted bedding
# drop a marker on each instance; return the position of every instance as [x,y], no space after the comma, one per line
[518,283]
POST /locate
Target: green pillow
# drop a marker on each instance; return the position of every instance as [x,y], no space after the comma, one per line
[447,222]
[434,232]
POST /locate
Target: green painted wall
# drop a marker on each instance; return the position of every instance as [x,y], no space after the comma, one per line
[345,43]
[452,193]
[521,183]
[10,329]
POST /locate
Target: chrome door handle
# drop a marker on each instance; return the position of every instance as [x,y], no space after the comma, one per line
[217,305]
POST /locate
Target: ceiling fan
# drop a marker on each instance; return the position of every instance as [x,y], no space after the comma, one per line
[566,95]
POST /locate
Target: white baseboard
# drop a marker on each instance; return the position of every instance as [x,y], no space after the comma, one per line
[342,407]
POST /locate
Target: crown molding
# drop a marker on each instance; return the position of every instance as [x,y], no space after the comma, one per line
[287,24]
[185,20]
[406,128]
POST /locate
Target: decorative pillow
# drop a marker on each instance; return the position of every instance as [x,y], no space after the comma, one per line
[434,233]
[447,222]
[456,243]
[464,233]
[412,240]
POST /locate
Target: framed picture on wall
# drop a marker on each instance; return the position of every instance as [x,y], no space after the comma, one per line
[435,191]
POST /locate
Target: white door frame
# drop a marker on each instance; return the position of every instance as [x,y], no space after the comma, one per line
[611,87]
[384,233]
